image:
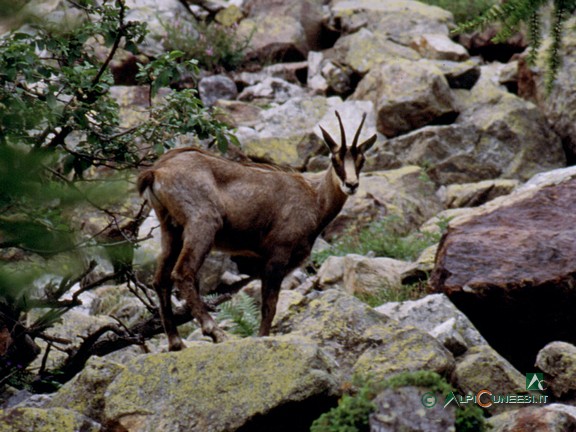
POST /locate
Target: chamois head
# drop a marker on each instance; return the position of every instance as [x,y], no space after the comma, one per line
[348,161]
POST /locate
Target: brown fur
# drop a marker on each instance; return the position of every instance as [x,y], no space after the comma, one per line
[269,216]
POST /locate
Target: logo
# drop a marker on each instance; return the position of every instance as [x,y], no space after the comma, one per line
[428,400]
[451,397]
[535,381]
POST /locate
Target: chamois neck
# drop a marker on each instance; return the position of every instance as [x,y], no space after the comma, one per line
[331,199]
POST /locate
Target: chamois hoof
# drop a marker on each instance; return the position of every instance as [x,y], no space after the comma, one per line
[176,345]
[218,336]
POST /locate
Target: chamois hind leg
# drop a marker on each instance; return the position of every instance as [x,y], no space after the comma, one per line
[274,273]
[195,248]
[171,247]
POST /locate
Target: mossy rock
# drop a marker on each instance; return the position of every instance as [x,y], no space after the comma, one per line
[85,392]
[363,340]
[222,387]
[45,420]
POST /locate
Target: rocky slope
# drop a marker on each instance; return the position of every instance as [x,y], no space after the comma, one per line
[454,144]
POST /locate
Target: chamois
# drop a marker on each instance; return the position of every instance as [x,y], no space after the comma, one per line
[269,216]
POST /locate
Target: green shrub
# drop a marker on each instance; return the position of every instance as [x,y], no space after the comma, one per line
[380,238]
[354,409]
[215,46]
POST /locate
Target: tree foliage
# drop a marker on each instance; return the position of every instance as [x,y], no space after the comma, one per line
[514,13]
[65,154]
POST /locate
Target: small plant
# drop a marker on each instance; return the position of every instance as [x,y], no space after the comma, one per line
[353,411]
[243,314]
[380,238]
[215,46]
[411,291]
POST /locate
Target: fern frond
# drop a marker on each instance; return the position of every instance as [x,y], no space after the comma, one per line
[560,15]
[243,314]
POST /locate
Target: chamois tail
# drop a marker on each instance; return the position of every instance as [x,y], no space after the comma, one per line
[145,181]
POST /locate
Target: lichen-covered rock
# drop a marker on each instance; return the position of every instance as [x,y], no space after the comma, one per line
[407,95]
[481,367]
[400,20]
[401,409]
[84,394]
[363,341]
[439,47]
[45,420]
[363,50]
[511,127]
[215,87]
[431,314]
[271,89]
[217,388]
[558,361]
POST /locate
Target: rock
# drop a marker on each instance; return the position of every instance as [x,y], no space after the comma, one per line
[460,75]
[550,418]
[272,90]
[307,13]
[439,47]
[277,139]
[404,195]
[274,38]
[475,194]
[512,255]
[84,394]
[294,72]
[215,87]
[156,16]
[558,361]
[407,95]
[237,113]
[482,43]
[363,50]
[401,409]
[279,383]
[37,419]
[511,127]
[400,20]
[481,367]
[437,315]
[361,340]
[362,276]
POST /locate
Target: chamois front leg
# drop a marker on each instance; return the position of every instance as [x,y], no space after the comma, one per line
[185,275]
[271,283]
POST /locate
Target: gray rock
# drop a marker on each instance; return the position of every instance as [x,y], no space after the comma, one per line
[401,409]
[558,361]
[407,95]
[549,418]
[437,315]
[216,87]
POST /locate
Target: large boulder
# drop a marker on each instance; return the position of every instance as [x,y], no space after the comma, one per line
[515,257]
[282,31]
[407,95]
[278,383]
[361,340]
[483,368]
[399,20]
[437,315]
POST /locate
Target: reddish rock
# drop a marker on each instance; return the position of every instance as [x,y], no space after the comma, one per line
[512,270]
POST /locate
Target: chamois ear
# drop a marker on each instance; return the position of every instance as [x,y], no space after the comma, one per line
[329,141]
[366,145]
